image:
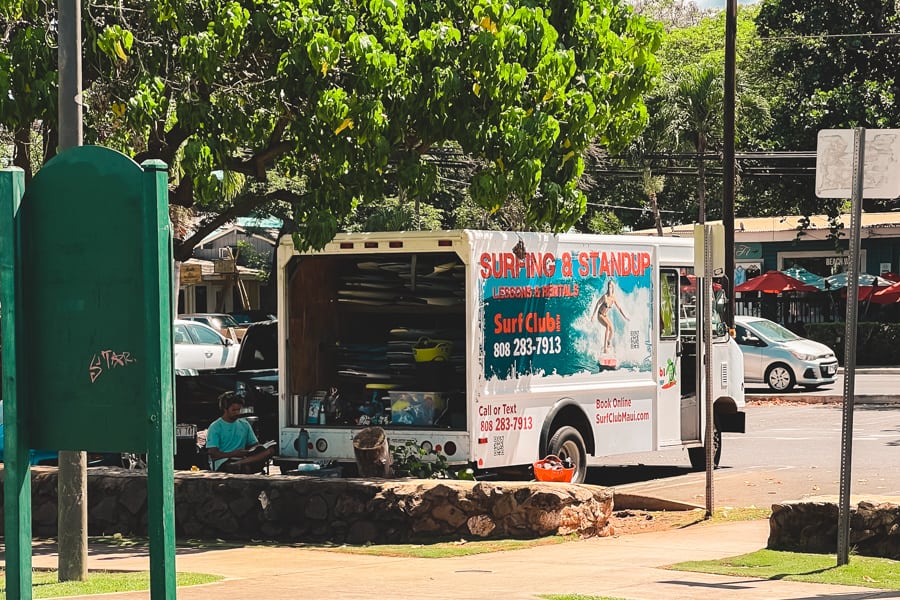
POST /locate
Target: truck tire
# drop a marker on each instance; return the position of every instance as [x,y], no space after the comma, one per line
[698,455]
[568,443]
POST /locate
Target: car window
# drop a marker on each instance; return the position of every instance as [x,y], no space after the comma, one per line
[181,335]
[224,321]
[740,333]
[774,331]
[202,335]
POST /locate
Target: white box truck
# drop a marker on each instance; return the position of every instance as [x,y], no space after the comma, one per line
[498,348]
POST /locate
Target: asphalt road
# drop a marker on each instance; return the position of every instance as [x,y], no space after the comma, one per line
[867,381]
[789,452]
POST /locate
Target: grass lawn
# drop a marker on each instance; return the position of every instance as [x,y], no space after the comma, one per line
[863,571]
[447,549]
[45,584]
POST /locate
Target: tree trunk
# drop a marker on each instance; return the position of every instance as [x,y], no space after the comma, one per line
[21,156]
[655,208]
[373,456]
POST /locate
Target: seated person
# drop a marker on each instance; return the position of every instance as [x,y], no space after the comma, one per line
[231,443]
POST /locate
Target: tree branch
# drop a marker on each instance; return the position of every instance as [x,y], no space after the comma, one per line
[240,208]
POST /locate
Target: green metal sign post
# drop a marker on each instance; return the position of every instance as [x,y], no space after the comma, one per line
[87,350]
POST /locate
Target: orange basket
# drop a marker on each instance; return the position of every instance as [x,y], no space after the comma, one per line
[551,468]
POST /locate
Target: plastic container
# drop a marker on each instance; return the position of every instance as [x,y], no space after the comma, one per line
[303,444]
[551,468]
[416,408]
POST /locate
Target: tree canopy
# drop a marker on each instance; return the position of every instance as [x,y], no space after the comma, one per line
[318,106]
[832,65]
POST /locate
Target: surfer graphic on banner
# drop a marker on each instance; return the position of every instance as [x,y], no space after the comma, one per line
[603,313]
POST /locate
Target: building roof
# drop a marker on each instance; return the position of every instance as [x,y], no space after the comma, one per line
[223,231]
[750,229]
[208,269]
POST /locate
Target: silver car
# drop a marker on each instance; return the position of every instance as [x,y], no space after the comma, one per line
[780,358]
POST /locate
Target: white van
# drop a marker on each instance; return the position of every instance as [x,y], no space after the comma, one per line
[496,348]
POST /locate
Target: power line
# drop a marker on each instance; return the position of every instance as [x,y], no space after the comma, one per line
[831,35]
[645,209]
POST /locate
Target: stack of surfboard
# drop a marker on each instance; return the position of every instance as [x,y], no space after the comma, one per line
[386,283]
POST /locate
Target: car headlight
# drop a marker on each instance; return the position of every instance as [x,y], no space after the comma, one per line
[803,356]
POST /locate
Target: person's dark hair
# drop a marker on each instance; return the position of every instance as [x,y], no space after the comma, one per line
[226,399]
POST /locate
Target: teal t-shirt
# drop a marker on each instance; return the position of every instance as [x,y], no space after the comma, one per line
[229,436]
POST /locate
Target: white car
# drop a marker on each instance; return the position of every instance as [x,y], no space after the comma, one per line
[199,347]
[780,358]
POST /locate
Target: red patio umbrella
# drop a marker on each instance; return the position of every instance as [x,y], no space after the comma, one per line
[887,295]
[774,282]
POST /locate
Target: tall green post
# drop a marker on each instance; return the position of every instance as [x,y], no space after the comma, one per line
[160,452]
[87,265]
[17,471]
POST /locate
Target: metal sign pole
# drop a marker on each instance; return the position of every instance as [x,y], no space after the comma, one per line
[850,346]
[707,366]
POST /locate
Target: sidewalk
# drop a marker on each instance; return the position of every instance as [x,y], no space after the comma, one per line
[630,566]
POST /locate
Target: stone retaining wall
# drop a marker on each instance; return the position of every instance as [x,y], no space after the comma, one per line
[813,527]
[310,509]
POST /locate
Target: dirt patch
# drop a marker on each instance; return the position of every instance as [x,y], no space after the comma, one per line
[629,521]
[626,522]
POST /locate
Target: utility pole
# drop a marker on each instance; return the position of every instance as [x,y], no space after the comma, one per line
[72,476]
[728,156]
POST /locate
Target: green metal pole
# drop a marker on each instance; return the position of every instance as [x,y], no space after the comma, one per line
[157,259]
[17,472]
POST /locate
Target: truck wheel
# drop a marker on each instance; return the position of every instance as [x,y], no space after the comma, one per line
[568,443]
[698,455]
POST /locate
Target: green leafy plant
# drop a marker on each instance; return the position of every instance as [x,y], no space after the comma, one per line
[412,461]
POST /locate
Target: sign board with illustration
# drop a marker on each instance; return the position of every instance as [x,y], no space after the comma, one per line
[553,311]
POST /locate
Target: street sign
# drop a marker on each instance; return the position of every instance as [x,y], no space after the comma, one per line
[834,163]
[191,273]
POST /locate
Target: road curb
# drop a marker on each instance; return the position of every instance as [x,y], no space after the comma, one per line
[624,501]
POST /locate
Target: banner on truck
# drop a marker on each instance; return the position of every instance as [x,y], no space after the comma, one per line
[551,311]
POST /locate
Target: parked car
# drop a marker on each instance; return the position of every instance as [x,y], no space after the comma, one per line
[200,347]
[780,358]
[221,322]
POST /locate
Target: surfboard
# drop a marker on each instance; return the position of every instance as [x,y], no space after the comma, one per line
[608,361]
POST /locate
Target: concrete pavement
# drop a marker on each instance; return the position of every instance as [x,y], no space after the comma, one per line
[628,566]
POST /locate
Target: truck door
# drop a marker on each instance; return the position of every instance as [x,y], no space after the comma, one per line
[668,367]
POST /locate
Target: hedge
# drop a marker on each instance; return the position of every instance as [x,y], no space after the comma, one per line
[876,343]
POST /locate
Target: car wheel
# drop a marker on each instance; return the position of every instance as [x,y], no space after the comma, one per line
[698,455]
[779,377]
[568,443]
